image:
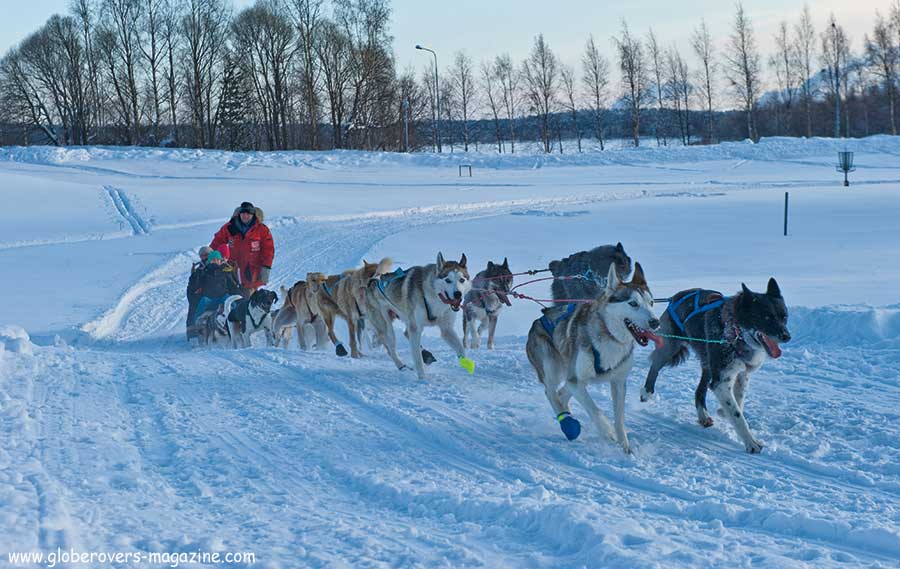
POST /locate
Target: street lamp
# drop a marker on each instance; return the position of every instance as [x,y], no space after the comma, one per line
[437,95]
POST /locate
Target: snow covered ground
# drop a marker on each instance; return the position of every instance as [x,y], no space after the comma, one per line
[116,436]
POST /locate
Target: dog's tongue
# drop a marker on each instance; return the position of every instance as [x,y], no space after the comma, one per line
[656,339]
[771,346]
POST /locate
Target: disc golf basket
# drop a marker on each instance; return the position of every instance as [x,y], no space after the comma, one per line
[466,167]
[845,165]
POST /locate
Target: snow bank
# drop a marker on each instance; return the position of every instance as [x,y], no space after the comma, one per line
[767,149]
[14,339]
[843,325]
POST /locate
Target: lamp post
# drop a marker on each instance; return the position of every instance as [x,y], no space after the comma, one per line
[437,95]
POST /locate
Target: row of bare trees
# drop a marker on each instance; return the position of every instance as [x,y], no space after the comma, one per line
[315,74]
[194,73]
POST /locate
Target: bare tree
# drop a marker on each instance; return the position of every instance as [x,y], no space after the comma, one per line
[509,86]
[151,45]
[122,19]
[204,28]
[265,42]
[595,68]
[490,86]
[835,53]
[634,77]
[171,39]
[883,55]
[786,78]
[656,61]
[702,44]
[570,90]
[464,91]
[309,21]
[337,75]
[743,67]
[24,96]
[804,50]
[540,73]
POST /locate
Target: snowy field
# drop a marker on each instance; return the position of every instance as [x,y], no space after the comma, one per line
[118,437]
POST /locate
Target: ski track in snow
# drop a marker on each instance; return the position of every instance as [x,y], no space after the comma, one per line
[123,206]
[131,440]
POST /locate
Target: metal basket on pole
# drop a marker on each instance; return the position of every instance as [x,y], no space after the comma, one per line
[845,165]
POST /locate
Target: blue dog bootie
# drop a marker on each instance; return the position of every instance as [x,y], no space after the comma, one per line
[340,350]
[569,425]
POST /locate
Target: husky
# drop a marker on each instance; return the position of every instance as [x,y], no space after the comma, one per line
[421,296]
[249,316]
[301,309]
[349,295]
[749,327]
[573,346]
[593,265]
[211,327]
[483,303]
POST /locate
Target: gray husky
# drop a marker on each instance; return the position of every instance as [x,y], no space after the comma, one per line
[429,295]
[483,303]
[571,347]
[595,263]
[734,337]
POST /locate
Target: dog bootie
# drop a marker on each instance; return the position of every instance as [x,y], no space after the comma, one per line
[427,357]
[467,365]
[340,350]
[569,425]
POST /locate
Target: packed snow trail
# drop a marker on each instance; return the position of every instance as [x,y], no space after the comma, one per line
[119,437]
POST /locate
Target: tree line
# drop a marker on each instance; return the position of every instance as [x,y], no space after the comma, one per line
[322,74]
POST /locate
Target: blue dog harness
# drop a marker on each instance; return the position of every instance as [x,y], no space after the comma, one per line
[328,291]
[698,308]
[550,326]
[383,284]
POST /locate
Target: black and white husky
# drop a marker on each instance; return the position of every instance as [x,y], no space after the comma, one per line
[482,305]
[249,316]
[734,337]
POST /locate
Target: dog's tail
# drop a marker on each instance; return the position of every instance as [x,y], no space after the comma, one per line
[384,266]
[679,357]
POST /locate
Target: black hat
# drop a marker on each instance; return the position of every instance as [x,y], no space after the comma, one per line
[247,207]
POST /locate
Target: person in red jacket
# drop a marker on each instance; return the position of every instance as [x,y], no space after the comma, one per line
[250,244]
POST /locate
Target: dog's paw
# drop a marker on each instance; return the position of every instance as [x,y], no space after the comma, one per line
[753,446]
[706,422]
[646,395]
[569,425]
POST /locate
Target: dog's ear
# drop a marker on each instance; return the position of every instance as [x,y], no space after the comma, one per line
[440,261]
[638,279]
[773,290]
[553,266]
[462,261]
[612,279]
[505,263]
[490,265]
[619,247]
[746,290]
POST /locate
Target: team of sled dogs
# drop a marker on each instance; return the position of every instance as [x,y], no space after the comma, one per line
[571,346]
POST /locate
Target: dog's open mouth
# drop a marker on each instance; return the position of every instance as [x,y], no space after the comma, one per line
[771,346]
[503,298]
[452,302]
[643,336]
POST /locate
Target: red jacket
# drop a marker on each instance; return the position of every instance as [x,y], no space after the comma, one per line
[250,251]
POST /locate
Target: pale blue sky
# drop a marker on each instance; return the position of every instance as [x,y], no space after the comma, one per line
[485,28]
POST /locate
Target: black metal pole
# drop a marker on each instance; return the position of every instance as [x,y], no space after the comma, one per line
[785,213]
